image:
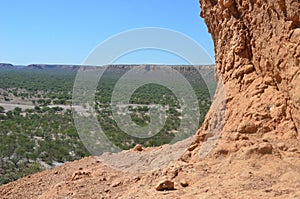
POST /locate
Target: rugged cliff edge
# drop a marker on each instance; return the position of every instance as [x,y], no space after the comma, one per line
[257,45]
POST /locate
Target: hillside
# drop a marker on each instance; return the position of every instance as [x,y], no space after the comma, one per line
[257,50]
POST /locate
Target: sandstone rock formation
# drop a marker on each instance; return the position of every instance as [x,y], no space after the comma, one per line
[257,47]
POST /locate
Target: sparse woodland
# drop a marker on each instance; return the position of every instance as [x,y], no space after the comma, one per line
[44,136]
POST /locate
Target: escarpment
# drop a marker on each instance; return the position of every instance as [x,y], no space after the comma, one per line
[252,129]
[257,60]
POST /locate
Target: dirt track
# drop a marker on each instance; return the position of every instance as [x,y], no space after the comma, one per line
[10,107]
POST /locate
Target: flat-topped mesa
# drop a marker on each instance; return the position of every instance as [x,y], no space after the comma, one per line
[5,65]
[257,47]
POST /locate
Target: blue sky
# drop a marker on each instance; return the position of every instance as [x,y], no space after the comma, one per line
[66,31]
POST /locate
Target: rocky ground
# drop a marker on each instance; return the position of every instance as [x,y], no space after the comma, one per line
[258,150]
[249,173]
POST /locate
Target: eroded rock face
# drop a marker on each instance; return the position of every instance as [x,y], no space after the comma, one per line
[257,47]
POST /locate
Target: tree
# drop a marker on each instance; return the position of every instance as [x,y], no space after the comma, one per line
[2,109]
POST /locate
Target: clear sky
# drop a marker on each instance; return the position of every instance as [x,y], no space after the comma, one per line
[66,31]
